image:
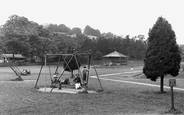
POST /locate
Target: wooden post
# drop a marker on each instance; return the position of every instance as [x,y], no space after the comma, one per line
[172,83]
[45,69]
[161,84]
[172,99]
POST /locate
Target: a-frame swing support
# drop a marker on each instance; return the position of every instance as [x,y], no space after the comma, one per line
[14,68]
[67,63]
[90,59]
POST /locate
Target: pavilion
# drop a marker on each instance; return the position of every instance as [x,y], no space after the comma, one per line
[116,58]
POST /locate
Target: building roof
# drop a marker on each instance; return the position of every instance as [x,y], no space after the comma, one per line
[115,54]
[16,55]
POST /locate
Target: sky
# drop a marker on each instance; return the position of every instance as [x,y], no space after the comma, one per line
[121,17]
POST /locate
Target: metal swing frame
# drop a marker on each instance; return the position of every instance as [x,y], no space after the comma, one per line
[13,66]
[67,65]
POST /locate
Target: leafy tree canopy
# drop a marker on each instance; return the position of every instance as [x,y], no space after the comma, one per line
[24,36]
[76,31]
[108,35]
[19,35]
[18,26]
[90,31]
[58,28]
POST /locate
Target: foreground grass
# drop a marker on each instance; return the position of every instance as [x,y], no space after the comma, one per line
[20,98]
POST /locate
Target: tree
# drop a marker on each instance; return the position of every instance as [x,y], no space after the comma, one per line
[76,31]
[18,26]
[25,37]
[64,43]
[108,35]
[41,44]
[43,32]
[58,28]
[16,45]
[2,44]
[90,31]
[52,27]
[17,31]
[163,54]
[63,28]
[87,44]
[98,55]
[103,45]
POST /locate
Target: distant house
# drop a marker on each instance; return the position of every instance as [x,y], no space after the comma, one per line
[92,37]
[116,58]
[60,33]
[72,35]
[5,57]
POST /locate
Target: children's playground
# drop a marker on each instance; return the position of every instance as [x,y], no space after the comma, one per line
[50,89]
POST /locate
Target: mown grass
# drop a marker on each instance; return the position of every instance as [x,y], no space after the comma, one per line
[20,97]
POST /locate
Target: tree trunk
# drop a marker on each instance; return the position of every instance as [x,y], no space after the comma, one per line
[32,57]
[161,84]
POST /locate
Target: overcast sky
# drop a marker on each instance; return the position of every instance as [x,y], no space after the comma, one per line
[121,17]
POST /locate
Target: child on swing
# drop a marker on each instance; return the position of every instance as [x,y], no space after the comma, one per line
[55,78]
[77,82]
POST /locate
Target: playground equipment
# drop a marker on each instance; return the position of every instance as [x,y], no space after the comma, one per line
[73,56]
[13,66]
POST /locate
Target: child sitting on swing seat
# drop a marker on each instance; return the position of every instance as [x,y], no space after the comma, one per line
[55,78]
[77,82]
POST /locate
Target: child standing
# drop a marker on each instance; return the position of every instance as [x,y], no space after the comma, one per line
[85,72]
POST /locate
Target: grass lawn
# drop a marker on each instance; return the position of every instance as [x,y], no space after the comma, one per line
[21,98]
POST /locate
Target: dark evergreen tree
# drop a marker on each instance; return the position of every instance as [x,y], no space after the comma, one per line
[163,54]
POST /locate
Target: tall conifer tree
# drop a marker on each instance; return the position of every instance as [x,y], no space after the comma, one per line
[163,54]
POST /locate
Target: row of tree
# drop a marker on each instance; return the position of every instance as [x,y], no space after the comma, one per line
[64,29]
[19,35]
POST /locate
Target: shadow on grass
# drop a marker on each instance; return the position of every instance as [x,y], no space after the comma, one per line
[155,93]
[17,79]
[172,111]
[166,93]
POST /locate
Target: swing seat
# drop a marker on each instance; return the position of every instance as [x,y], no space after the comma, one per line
[55,80]
[56,83]
[66,81]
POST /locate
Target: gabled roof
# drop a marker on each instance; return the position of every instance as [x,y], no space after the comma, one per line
[115,54]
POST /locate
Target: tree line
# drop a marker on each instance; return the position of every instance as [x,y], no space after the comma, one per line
[19,35]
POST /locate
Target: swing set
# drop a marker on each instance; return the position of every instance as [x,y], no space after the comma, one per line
[57,81]
[13,66]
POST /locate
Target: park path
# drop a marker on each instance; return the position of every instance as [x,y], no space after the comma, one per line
[132,82]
